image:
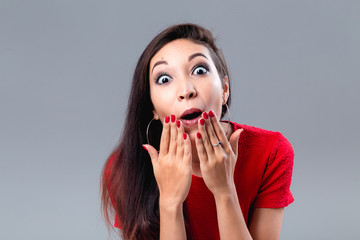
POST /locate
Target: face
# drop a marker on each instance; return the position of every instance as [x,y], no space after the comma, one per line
[184,82]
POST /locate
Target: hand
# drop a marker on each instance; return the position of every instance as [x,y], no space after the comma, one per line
[172,165]
[217,161]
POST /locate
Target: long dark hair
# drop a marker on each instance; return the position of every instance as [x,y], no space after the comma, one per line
[128,185]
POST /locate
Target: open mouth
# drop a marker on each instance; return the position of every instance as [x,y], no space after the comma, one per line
[191,116]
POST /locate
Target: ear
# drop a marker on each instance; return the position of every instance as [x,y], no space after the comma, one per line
[156,116]
[225,94]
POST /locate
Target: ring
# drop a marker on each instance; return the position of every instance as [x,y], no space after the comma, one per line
[215,145]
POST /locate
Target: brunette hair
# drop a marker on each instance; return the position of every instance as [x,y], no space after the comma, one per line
[128,185]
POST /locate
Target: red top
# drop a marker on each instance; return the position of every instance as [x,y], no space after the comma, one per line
[262,177]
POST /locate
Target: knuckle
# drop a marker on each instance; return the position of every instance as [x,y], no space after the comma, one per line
[166,138]
[180,143]
[212,134]
[206,142]
[202,151]
[220,156]
[187,154]
[179,153]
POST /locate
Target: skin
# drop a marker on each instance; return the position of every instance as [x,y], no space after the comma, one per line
[183,76]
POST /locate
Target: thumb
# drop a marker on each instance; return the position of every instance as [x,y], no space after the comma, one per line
[234,140]
[153,153]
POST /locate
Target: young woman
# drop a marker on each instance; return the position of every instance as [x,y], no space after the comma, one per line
[180,172]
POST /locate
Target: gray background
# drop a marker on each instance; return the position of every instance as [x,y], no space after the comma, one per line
[65,70]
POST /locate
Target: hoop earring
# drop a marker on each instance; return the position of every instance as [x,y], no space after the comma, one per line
[228,121]
[147,130]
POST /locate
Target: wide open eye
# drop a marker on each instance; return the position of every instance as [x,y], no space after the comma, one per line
[200,70]
[163,79]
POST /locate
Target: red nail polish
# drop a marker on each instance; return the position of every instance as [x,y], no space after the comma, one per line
[172,118]
[185,136]
[211,114]
[144,148]
[178,123]
[198,135]
[205,115]
[202,121]
[167,119]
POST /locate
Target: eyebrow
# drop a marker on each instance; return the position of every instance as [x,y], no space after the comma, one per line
[191,57]
[158,63]
[196,55]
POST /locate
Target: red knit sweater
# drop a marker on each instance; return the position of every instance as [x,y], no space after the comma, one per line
[262,177]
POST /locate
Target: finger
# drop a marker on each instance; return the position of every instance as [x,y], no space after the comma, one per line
[173,135]
[234,140]
[213,138]
[201,151]
[152,153]
[165,136]
[204,137]
[219,131]
[180,140]
[187,149]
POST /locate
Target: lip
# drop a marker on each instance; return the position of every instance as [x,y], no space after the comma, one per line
[190,121]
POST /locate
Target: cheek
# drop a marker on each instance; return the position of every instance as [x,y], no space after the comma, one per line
[215,96]
[161,101]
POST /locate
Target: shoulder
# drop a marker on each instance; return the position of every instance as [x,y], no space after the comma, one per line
[255,131]
[254,137]
[263,146]
[266,160]
[111,165]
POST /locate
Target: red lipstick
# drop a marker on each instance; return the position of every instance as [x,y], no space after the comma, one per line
[191,116]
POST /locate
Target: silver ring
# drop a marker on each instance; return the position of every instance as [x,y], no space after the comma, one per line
[215,145]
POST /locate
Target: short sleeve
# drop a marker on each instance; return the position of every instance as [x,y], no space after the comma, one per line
[113,156]
[274,191]
[117,223]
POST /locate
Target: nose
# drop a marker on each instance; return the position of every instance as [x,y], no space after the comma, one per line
[186,91]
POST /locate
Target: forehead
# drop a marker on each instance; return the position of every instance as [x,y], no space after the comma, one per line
[180,48]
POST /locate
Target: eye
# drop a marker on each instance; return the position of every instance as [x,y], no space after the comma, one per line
[200,70]
[163,79]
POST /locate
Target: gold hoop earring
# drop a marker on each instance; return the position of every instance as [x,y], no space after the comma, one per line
[147,130]
[228,121]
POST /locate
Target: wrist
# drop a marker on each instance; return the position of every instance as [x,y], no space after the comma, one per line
[226,196]
[170,206]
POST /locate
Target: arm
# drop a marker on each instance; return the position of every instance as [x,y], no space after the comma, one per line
[172,170]
[172,224]
[217,167]
[217,164]
[230,218]
[266,223]
[275,194]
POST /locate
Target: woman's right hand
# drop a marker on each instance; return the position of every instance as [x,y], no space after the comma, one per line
[172,165]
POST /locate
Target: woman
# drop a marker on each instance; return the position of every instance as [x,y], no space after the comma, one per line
[179,172]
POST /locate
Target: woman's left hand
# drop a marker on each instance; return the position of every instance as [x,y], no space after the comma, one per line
[217,161]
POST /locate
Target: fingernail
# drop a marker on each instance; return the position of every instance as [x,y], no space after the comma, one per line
[185,136]
[202,121]
[167,119]
[178,123]
[211,114]
[144,148]
[205,115]
[198,135]
[172,118]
